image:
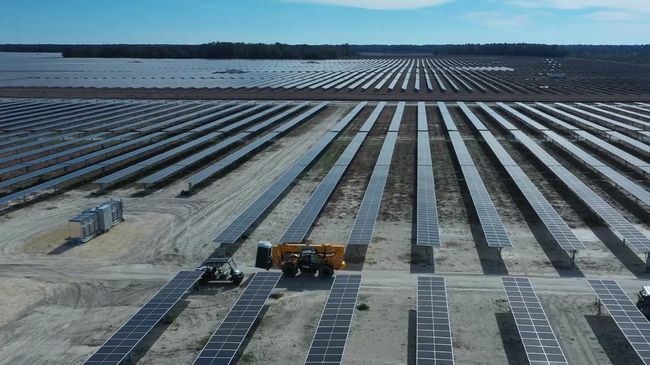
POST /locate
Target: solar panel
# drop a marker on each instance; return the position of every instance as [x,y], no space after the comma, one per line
[259,127]
[574,118]
[501,120]
[427,228]
[462,153]
[613,151]
[124,124]
[222,122]
[626,114]
[364,224]
[550,118]
[472,118]
[105,118]
[224,344]
[83,160]
[601,119]
[446,117]
[630,234]
[528,121]
[588,160]
[540,343]
[397,117]
[122,342]
[204,114]
[493,229]
[423,149]
[373,117]
[231,160]
[155,160]
[302,223]
[630,142]
[90,170]
[79,117]
[558,228]
[180,166]
[434,343]
[285,127]
[423,124]
[632,323]
[328,344]
[244,222]
[491,224]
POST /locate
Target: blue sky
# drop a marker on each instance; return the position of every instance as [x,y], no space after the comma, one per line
[326,21]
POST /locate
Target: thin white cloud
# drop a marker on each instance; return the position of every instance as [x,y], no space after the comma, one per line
[613,16]
[620,5]
[378,4]
[498,19]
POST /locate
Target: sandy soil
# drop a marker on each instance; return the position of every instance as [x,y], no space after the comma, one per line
[61,301]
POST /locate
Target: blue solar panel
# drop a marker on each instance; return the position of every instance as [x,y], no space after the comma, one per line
[118,348]
[226,341]
[328,344]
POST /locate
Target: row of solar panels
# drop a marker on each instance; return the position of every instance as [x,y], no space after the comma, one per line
[427,230]
[434,339]
[378,73]
[211,132]
[434,342]
[489,219]
[628,232]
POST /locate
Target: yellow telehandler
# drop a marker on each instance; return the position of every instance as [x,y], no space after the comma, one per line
[292,258]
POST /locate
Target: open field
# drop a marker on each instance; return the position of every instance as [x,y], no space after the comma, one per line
[62,301]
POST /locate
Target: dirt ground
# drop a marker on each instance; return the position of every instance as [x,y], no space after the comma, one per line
[60,302]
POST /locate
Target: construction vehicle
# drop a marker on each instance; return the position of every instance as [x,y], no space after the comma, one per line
[293,258]
[221,269]
[643,302]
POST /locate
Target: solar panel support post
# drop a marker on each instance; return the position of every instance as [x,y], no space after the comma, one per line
[647,261]
[573,257]
[499,253]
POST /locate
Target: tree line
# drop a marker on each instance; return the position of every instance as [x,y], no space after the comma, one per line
[229,50]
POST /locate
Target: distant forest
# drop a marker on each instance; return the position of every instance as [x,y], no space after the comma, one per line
[226,50]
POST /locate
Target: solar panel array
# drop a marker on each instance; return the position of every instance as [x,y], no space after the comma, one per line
[587,159]
[434,342]
[328,344]
[616,114]
[364,223]
[593,163]
[224,344]
[629,233]
[491,224]
[540,343]
[632,323]
[626,140]
[302,223]
[599,143]
[121,136]
[426,223]
[551,219]
[256,145]
[119,347]
[610,123]
[245,221]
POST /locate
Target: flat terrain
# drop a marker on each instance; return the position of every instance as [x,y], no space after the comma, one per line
[61,301]
[477,78]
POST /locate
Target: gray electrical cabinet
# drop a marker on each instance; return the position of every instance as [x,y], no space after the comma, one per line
[83,227]
[109,214]
[95,221]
